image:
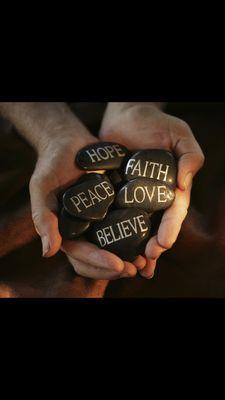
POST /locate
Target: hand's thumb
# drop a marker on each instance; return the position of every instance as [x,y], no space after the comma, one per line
[46,224]
[191,159]
[45,220]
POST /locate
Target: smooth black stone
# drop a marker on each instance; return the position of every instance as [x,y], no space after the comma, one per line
[83,177]
[123,232]
[90,176]
[60,198]
[79,180]
[152,164]
[71,227]
[89,199]
[147,194]
[115,177]
[101,156]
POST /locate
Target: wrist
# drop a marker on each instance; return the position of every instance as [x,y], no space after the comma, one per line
[122,116]
[47,126]
[68,138]
[120,107]
[61,129]
[156,105]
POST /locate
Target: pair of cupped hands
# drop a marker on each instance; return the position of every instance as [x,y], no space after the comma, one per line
[137,126]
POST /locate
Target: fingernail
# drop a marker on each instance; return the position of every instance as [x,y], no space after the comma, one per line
[188,180]
[36,229]
[146,276]
[125,275]
[45,246]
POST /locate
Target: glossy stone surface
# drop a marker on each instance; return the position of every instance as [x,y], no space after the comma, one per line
[152,164]
[115,177]
[123,232]
[101,156]
[147,194]
[90,198]
[71,227]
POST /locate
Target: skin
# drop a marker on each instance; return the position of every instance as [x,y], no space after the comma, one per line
[145,125]
[57,135]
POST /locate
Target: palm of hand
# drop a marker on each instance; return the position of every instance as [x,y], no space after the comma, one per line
[55,171]
[142,127]
[136,128]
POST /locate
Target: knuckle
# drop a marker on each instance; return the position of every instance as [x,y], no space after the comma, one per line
[32,184]
[35,181]
[36,217]
[76,268]
[109,134]
[183,126]
[166,244]
[76,265]
[133,273]
[201,159]
[41,180]
[184,214]
[40,217]
[118,268]
[198,159]
[36,222]
[36,177]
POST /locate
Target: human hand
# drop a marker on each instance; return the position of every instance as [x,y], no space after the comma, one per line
[55,171]
[144,125]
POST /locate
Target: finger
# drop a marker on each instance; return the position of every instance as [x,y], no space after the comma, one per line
[173,218]
[44,207]
[149,270]
[140,262]
[191,159]
[170,225]
[129,270]
[88,271]
[153,249]
[91,254]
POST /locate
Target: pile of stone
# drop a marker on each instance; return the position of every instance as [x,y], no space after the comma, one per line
[112,203]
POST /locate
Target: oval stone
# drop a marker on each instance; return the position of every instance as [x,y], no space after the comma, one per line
[101,156]
[123,232]
[152,164]
[90,198]
[147,194]
[115,177]
[71,227]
